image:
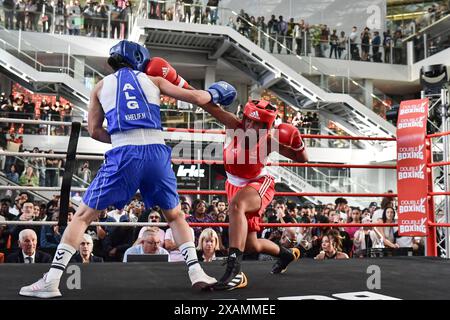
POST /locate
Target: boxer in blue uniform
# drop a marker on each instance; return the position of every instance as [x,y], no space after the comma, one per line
[138,160]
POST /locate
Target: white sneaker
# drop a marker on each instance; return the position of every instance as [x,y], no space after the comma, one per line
[42,289]
[200,279]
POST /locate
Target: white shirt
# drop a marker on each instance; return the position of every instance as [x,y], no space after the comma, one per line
[25,260]
[175,255]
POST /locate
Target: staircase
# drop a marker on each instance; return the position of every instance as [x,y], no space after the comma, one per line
[269,72]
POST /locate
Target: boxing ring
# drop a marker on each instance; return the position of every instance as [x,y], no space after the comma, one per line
[401,277]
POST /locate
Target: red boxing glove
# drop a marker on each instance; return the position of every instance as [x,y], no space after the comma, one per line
[290,136]
[158,67]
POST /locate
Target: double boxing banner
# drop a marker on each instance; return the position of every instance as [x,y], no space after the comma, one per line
[412,180]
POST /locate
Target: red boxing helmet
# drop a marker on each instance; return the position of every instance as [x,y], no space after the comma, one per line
[261,111]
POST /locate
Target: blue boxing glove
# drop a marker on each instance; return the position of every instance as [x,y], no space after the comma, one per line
[222,93]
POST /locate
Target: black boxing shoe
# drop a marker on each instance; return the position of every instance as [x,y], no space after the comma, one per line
[233,277]
[285,258]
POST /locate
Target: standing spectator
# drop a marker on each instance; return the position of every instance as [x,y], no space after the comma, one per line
[8,7]
[282,32]
[324,39]
[365,44]
[376,43]
[199,215]
[213,5]
[273,32]
[102,11]
[387,45]
[298,35]
[149,244]
[253,35]
[398,47]
[290,35]
[89,16]
[74,18]
[126,17]
[60,14]
[198,12]
[51,171]
[29,178]
[116,13]
[47,16]
[153,12]
[354,51]
[20,14]
[12,174]
[187,10]
[208,245]
[84,254]
[33,15]
[342,44]
[28,252]
[262,25]
[334,43]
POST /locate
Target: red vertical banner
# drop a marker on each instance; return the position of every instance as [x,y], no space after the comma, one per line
[412,181]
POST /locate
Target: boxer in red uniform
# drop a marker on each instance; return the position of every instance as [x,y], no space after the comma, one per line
[249,187]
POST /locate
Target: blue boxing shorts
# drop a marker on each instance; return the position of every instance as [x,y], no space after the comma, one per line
[129,168]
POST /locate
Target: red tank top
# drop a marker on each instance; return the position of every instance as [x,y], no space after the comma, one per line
[242,162]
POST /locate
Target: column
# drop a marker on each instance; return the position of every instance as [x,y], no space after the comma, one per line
[368,92]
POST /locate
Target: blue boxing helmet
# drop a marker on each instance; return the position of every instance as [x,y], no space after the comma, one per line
[132,53]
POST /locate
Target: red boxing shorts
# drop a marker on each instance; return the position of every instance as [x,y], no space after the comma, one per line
[265,186]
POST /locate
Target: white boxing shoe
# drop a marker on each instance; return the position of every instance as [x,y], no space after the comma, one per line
[199,279]
[42,289]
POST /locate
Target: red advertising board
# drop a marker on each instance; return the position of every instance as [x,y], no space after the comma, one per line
[412,182]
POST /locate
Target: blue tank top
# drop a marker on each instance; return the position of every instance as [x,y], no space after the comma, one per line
[132,108]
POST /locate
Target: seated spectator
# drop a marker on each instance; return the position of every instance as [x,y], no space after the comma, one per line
[331,246]
[4,210]
[199,215]
[84,254]
[354,218]
[289,238]
[186,208]
[305,238]
[208,245]
[153,217]
[170,245]
[222,207]
[28,252]
[149,244]
[213,211]
[222,232]
[366,238]
[388,233]
[51,235]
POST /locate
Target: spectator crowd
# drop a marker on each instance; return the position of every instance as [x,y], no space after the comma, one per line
[116,244]
[112,19]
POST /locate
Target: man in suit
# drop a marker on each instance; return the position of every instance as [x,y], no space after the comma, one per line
[84,254]
[28,252]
